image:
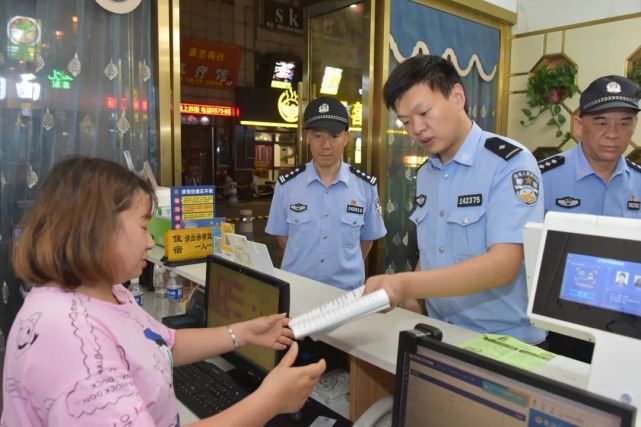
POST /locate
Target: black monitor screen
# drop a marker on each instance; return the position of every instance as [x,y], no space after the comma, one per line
[594,281]
[236,293]
[445,386]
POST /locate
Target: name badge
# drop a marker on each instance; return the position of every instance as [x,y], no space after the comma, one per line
[469,200]
[355,209]
[634,205]
[568,202]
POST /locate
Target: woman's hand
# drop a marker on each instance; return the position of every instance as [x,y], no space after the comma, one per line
[266,331]
[289,387]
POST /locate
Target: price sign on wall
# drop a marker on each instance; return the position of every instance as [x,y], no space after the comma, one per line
[192,206]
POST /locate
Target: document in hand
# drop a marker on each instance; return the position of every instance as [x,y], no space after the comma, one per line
[350,306]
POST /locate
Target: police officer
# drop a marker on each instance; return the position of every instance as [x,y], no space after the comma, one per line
[594,177]
[473,197]
[326,213]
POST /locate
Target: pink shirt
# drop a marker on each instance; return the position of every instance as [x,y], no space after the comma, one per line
[72,360]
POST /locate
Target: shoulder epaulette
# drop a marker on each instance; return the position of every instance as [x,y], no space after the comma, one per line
[362,175]
[502,148]
[551,163]
[289,175]
[633,165]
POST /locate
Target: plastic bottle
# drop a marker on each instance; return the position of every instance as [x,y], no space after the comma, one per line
[160,293]
[174,294]
[136,290]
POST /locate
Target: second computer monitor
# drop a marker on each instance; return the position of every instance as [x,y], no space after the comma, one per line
[236,293]
[440,385]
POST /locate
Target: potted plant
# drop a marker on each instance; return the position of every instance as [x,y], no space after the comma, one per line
[546,88]
[635,72]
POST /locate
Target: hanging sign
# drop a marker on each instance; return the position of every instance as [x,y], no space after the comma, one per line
[209,64]
[119,6]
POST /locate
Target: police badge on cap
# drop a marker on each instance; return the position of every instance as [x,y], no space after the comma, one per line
[610,92]
[326,113]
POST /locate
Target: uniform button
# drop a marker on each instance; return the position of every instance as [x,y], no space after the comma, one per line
[325,236]
[441,249]
[445,176]
[326,191]
[354,223]
[322,260]
[465,221]
[296,221]
[441,213]
[326,214]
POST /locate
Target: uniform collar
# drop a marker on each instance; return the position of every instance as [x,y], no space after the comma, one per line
[467,152]
[583,167]
[312,175]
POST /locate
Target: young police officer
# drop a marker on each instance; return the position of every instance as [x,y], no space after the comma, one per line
[594,177]
[473,197]
[326,213]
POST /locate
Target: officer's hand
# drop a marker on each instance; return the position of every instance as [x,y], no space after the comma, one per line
[390,283]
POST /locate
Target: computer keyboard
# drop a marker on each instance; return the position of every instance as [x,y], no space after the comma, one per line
[206,389]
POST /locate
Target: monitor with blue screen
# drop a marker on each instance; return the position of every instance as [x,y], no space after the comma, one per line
[440,385]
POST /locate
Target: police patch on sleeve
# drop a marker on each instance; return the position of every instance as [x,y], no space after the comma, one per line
[379,208]
[526,186]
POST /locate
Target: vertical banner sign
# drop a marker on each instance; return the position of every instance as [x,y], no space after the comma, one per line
[209,64]
[192,206]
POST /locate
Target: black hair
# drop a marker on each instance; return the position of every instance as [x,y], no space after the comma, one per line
[438,73]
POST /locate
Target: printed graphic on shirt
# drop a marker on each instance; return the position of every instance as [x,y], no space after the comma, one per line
[469,200]
[634,204]
[14,391]
[163,366]
[526,186]
[298,207]
[102,386]
[420,200]
[27,334]
[354,208]
[568,202]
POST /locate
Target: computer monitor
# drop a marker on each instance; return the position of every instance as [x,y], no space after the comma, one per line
[235,293]
[440,385]
[585,286]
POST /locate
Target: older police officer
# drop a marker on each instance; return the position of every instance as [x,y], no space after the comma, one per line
[326,213]
[594,177]
[473,197]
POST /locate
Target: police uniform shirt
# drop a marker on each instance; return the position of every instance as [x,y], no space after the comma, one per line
[482,197]
[325,224]
[572,186]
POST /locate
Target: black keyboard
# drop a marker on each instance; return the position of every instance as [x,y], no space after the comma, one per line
[206,389]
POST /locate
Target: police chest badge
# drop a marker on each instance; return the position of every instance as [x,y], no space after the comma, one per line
[420,200]
[298,207]
[568,202]
[354,208]
[526,186]
[634,204]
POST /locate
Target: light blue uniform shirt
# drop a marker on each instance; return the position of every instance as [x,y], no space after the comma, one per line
[572,186]
[482,197]
[325,224]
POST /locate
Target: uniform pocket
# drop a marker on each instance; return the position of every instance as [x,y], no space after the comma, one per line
[468,231]
[351,224]
[300,228]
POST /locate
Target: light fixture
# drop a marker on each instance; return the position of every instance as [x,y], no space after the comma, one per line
[3,88]
[27,89]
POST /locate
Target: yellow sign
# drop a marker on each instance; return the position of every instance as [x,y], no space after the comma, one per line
[225,228]
[288,105]
[188,243]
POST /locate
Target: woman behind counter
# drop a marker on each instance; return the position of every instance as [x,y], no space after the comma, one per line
[81,351]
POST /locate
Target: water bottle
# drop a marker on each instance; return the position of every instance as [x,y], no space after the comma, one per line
[160,293]
[174,294]
[136,290]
